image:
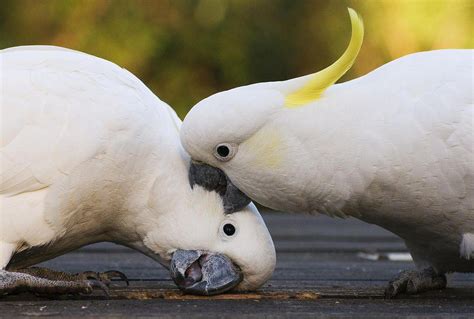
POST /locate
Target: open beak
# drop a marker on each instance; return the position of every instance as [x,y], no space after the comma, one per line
[203,273]
[214,179]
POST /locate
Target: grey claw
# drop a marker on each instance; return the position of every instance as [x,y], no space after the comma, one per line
[89,275]
[104,277]
[429,281]
[413,282]
[98,284]
[391,291]
[115,274]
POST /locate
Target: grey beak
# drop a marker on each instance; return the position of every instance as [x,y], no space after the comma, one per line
[203,273]
[214,179]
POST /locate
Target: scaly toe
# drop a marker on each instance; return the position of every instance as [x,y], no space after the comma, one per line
[96,284]
[111,274]
[426,280]
[88,275]
[413,282]
[104,277]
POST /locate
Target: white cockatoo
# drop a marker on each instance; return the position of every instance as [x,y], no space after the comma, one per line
[89,154]
[393,148]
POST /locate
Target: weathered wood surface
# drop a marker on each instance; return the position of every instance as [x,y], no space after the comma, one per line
[319,273]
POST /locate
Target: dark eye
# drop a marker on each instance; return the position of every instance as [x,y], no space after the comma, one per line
[229,229]
[223,151]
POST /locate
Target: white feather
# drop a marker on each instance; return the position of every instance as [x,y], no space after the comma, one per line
[393,148]
[89,154]
[467,246]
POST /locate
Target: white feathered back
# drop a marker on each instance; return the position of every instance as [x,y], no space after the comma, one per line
[68,121]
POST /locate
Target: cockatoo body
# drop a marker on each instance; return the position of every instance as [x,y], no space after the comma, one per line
[392,148]
[89,154]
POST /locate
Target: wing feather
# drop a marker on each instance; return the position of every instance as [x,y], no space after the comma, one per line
[58,107]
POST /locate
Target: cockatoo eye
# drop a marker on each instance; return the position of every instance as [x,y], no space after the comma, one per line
[229,229]
[225,151]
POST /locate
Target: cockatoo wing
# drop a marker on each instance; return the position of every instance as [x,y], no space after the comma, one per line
[59,110]
[53,110]
[407,114]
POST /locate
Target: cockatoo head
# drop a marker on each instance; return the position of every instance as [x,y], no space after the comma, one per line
[245,133]
[209,248]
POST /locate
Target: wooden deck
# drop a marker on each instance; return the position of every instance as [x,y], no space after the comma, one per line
[320,272]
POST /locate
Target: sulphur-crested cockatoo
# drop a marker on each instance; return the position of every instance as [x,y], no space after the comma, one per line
[89,154]
[392,148]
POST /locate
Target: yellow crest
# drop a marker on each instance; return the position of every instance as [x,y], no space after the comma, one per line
[320,81]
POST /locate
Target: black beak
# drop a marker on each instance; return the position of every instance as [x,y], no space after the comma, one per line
[214,179]
[203,273]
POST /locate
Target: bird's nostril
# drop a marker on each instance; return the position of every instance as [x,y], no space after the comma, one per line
[193,274]
[203,259]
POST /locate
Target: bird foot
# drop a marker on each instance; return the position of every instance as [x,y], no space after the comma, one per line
[16,282]
[105,277]
[46,281]
[413,282]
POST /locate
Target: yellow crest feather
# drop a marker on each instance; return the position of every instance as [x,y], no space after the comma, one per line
[323,79]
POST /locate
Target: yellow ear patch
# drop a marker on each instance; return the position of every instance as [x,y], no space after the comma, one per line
[265,148]
[323,79]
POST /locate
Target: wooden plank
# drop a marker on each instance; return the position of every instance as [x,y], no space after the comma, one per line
[207,308]
[319,273]
[143,294]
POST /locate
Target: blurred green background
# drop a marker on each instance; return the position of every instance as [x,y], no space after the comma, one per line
[185,50]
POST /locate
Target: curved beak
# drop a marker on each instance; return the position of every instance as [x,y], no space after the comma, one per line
[203,273]
[214,179]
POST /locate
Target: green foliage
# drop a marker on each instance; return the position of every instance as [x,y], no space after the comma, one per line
[185,50]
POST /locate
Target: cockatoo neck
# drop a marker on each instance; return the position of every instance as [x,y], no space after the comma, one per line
[162,190]
[163,210]
[333,161]
[342,157]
